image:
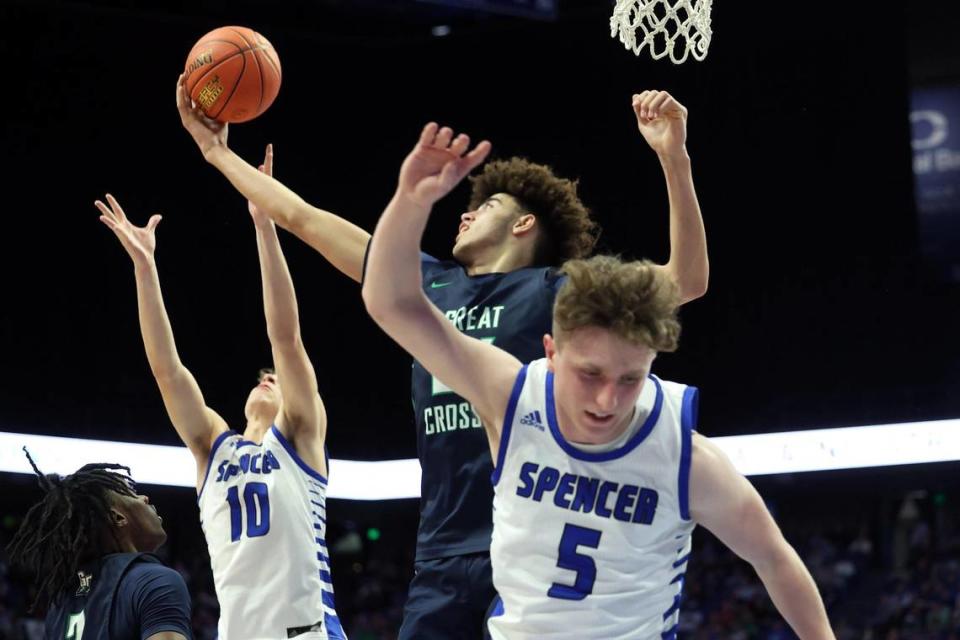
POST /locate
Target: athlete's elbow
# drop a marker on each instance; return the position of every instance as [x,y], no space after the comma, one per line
[772,556]
[693,290]
[378,302]
[285,338]
[390,309]
[691,283]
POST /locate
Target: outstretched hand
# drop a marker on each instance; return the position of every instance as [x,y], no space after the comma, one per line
[438,163]
[206,132]
[139,242]
[662,121]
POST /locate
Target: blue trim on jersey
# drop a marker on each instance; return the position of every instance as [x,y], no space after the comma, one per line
[673,608]
[334,630]
[688,423]
[497,608]
[671,633]
[213,451]
[296,458]
[327,598]
[507,424]
[682,561]
[602,456]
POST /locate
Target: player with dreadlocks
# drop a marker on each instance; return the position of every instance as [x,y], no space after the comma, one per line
[89,544]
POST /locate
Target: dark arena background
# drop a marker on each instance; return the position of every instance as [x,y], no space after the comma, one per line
[825,143]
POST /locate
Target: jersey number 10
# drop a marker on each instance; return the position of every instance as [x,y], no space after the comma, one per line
[256,503]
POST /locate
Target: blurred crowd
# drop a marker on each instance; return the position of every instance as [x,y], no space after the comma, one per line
[898,581]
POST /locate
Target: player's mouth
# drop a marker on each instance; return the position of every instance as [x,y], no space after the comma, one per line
[600,419]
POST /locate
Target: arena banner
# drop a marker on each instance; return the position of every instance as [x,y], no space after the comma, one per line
[935,128]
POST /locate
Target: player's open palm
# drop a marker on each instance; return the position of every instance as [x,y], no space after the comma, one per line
[662,121]
[438,163]
[139,242]
[206,132]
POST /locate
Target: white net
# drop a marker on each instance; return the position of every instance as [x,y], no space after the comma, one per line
[675,28]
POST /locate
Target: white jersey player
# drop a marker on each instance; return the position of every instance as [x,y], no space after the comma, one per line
[263,513]
[620,553]
[261,494]
[600,513]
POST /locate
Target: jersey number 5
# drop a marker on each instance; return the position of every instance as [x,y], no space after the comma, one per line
[570,559]
[257,503]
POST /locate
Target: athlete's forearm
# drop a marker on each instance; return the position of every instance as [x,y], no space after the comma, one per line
[195,423]
[795,594]
[688,262]
[279,297]
[155,327]
[393,278]
[341,242]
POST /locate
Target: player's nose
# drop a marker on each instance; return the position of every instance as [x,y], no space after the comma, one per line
[606,398]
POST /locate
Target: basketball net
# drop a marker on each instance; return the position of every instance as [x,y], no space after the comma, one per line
[675,28]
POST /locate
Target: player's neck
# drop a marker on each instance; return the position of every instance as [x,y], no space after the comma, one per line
[256,428]
[510,258]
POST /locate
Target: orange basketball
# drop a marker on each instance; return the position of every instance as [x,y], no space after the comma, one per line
[233,73]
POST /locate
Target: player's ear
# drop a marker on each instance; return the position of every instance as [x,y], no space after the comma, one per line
[117,519]
[549,349]
[524,224]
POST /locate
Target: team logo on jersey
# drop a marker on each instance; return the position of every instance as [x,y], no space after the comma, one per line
[85,580]
[532,419]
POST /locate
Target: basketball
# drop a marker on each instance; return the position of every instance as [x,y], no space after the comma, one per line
[233,73]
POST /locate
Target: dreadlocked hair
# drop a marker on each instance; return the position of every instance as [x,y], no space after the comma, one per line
[567,229]
[69,526]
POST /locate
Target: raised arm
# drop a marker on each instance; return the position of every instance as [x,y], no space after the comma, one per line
[303,418]
[196,424]
[663,123]
[480,372]
[341,242]
[724,502]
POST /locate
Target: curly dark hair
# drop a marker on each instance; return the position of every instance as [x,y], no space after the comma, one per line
[635,300]
[568,231]
[69,526]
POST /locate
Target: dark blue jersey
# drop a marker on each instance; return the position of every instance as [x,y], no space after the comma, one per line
[122,596]
[513,311]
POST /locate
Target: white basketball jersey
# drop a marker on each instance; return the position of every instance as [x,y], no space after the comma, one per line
[263,512]
[591,545]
